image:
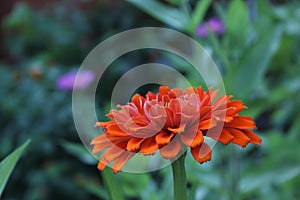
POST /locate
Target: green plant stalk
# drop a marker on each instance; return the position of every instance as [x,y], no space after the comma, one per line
[179,178]
[111,185]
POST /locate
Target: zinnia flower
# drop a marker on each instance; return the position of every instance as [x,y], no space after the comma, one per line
[67,81]
[213,24]
[170,121]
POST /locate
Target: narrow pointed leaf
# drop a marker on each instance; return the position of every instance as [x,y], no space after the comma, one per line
[7,165]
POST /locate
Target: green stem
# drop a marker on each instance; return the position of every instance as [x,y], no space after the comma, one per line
[111,185]
[179,178]
[235,174]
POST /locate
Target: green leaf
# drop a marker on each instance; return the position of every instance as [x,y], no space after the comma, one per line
[7,165]
[249,74]
[166,14]
[199,13]
[237,21]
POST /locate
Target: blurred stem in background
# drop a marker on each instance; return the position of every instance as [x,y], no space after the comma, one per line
[179,178]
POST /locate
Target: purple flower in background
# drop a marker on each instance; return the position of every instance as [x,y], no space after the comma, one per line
[67,81]
[213,24]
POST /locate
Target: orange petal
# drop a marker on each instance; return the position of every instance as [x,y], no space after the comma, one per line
[193,139]
[163,138]
[171,150]
[134,144]
[191,110]
[174,105]
[149,146]
[101,142]
[221,102]
[221,115]
[200,90]
[138,101]
[116,140]
[207,124]
[136,122]
[150,95]
[222,135]
[177,91]
[111,154]
[114,130]
[165,99]
[202,153]
[241,122]
[99,148]
[189,90]
[203,97]
[102,165]
[103,124]
[120,116]
[163,89]
[254,139]
[121,161]
[205,112]
[110,115]
[100,139]
[212,94]
[205,100]
[122,144]
[132,111]
[169,119]
[177,130]
[239,137]
[237,106]
[157,111]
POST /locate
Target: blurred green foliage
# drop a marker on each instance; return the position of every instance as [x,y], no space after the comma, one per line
[258,58]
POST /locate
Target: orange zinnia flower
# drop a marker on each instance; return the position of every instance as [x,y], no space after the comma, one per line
[169,121]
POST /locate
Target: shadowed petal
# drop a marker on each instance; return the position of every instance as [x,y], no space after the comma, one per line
[149,146]
[239,137]
[254,139]
[134,144]
[171,150]
[192,140]
[121,161]
[202,153]
[163,138]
